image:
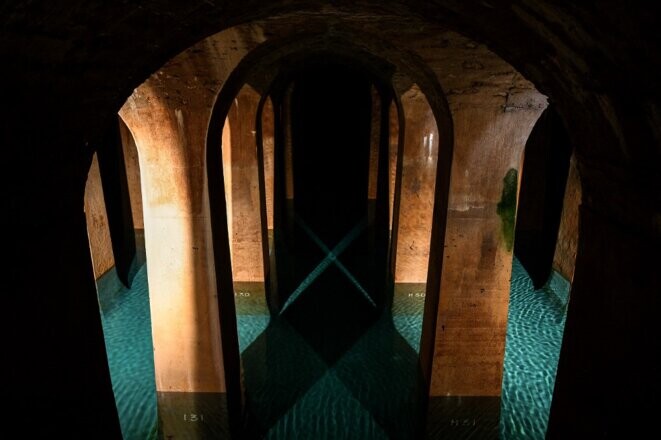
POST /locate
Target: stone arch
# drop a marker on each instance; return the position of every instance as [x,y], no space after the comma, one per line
[266,58]
[574,54]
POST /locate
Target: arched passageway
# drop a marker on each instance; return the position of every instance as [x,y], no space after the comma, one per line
[80,66]
[330,341]
[362,278]
[541,198]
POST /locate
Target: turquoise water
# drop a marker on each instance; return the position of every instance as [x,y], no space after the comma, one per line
[342,399]
[127,329]
[536,322]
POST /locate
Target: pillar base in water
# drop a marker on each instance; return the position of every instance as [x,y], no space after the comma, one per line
[192,415]
[458,417]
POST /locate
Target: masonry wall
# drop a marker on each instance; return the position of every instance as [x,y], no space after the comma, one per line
[97,222]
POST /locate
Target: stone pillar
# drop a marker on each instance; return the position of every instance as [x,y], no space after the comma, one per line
[267,149]
[381,224]
[246,237]
[132,163]
[97,222]
[375,136]
[265,168]
[226,142]
[188,357]
[543,187]
[467,366]
[196,358]
[417,189]
[393,148]
[414,200]
[607,381]
[607,384]
[112,167]
[564,259]
[283,198]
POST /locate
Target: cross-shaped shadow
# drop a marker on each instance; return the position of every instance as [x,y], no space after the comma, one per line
[331,258]
[331,364]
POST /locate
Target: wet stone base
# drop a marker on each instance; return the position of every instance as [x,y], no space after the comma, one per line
[457,417]
[192,416]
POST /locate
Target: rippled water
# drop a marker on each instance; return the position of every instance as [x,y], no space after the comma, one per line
[336,402]
[127,329]
[534,333]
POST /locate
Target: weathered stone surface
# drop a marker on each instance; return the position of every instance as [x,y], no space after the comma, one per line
[171,141]
[564,260]
[417,191]
[497,92]
[242,172]
[71,64]
[132,162]
[97,222]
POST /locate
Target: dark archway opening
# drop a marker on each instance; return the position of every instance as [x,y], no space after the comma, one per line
[331,342]
[331,108]
[327,245]
[283,379]
[543,181]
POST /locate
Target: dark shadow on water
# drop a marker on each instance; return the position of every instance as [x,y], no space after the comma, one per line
[366,383]
[331,364]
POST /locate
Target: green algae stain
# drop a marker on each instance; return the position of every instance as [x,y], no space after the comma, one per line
[507,206]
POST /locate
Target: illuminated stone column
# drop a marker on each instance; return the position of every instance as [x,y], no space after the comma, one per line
[132,163]
[246,229]
[196,364]
[467,366]
[188,358]
[492,110]
[97,222]
[265,166]
[98,229]
[417,190]
[267,151]
[564,259]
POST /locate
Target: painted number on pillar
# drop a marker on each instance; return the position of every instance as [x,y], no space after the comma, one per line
[193,417]
[417,295]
